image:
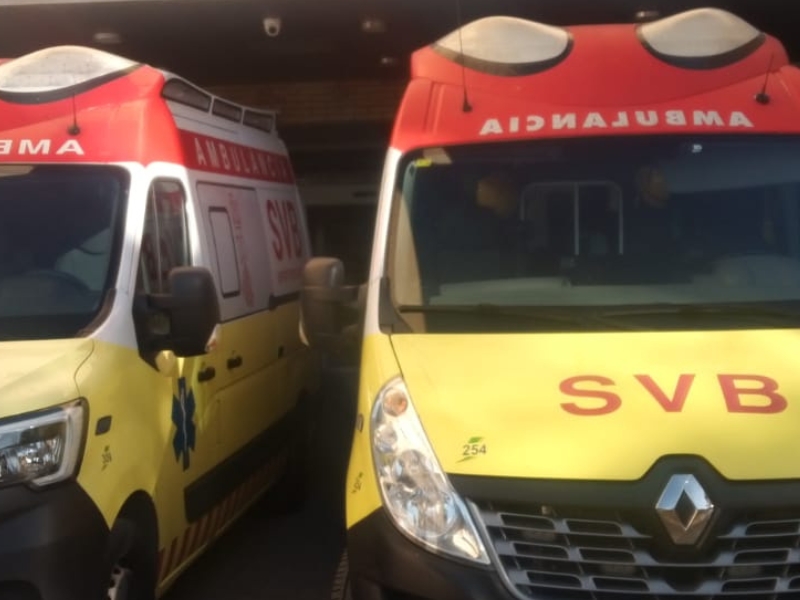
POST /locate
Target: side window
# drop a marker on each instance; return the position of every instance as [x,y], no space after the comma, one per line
[165,241]
[225,251]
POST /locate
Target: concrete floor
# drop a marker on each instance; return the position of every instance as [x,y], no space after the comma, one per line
[294,556]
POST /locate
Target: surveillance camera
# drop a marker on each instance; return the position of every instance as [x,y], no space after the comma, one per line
[272,26]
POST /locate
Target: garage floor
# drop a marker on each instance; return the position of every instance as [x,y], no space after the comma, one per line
[266,556]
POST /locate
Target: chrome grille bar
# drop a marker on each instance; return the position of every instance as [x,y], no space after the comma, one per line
[549,553]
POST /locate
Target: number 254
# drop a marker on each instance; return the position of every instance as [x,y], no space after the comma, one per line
[473,449]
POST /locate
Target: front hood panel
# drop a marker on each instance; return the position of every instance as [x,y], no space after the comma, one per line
[607,406]
[39,374]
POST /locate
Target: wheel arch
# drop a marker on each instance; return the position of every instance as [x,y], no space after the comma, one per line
[134,542]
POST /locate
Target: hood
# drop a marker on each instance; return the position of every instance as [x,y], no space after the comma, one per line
[607,406]
[39,374]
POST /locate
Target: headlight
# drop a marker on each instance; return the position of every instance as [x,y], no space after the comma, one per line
[42,447]
[415,490]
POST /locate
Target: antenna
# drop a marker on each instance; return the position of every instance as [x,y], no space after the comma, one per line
[763,97]
[74,129]
[465,106]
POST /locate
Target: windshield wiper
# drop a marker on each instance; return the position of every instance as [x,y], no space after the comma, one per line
[703,310]
[591,322]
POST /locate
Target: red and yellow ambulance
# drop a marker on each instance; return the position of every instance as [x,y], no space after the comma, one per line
[578,371]
[153,376]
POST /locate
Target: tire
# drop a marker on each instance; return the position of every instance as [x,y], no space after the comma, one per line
[132,563]
[341,588]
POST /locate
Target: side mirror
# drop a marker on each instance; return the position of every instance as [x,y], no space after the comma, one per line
[181,320]
[328,308]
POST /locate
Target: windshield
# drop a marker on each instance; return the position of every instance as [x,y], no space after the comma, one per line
[612,233]
[59,232]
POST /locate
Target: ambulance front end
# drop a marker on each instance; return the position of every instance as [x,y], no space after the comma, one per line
[579,361]
[66,268]
[48,523]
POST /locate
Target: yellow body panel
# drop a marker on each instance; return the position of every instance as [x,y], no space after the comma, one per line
[137,453]
[273,359]
[147,408]
[730,397]
[39,374]
[378,365]
[507,390]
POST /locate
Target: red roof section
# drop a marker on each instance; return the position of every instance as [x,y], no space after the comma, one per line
[122,120]
[608,84]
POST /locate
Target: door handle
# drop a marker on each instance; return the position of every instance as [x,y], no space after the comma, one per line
[235,362]
[206,374]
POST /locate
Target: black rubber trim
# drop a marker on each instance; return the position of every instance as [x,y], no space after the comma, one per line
[65,92]
[202,495]
[642,493]
[715,61]
[276,301]
[504,69]
[54,541]
[386,565]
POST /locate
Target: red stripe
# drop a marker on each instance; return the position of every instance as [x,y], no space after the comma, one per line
[167,567]
[261,478]
[241,500]
[224,508]
[202,532]
[215,518]
[231,507]
[161,556]
[252,487]
[188,537]
[237,501]
[205,153]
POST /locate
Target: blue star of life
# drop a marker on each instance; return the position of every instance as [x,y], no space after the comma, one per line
[183,409]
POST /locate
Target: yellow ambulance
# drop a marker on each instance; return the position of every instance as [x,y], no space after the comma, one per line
[578,372]
[153,377]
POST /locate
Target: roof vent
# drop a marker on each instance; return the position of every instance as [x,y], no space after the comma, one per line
[704,38]
[506,46]
[59,72]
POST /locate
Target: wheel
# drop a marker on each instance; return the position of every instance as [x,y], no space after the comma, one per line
[133,565]
[341,589]
[119,586]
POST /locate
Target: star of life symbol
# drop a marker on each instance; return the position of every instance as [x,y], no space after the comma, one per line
[183,408]
[684,509]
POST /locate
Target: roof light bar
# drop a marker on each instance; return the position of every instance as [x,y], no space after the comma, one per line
[183,92]
[227,110]
[60,68]
[703,38]
[265,121]
[506,46]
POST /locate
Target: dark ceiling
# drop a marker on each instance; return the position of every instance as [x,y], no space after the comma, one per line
[220,42]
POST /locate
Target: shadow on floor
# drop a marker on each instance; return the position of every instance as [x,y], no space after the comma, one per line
[293,556]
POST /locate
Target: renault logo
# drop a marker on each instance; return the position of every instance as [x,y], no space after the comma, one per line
[684,509]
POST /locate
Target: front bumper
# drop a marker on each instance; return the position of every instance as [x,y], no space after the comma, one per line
[53,545]
[385,565]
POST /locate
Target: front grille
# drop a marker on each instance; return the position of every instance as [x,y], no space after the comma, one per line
[549,553]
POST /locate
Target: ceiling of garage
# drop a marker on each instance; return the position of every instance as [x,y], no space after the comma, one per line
[215,42]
